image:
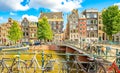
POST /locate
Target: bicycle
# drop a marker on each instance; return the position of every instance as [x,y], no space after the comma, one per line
[11,69]
[113,68]
[49,65]
[63,67]
[94,66]
[32,65]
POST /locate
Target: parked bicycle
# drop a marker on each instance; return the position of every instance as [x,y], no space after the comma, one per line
[93,66]
[4,68]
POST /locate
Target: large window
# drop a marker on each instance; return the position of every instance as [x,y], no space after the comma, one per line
[91,15]
[88,28]
[88,22]
[95,27]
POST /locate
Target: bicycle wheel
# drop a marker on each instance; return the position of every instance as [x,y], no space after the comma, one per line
[32,67]
[19,67]
[62,68]
[75,68]
[112,71]
[101,68]
[1,68]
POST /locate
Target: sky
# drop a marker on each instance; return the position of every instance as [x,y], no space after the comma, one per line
[18,9]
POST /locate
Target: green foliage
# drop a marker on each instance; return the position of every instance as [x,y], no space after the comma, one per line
[15,32]
[111,20]
[44,31]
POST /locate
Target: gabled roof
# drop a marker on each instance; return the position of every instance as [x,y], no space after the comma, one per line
[52,15]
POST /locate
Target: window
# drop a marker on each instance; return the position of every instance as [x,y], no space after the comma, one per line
[100,16]
[100,22]
[81,20]
[100,28]
[91,21]
[27,34]
[88,15]
[95,21]
[80,24]
[23,33]
[95,27]
[95,15]
[88,28]
[88,21]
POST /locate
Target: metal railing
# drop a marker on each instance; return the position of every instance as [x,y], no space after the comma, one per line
[68,64]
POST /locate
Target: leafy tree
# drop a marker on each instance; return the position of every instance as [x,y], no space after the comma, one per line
[15,32]
[44,31]
[111,20]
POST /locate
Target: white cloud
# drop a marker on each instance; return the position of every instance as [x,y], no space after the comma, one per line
[30,17]
[117,4]
[1,18]
[14,5]
[56,5]
[11,13]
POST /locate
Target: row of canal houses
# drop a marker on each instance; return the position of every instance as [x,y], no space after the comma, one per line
[85,26]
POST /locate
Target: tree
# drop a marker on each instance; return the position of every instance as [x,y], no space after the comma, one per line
[44,31]
[111,20]
[15,32]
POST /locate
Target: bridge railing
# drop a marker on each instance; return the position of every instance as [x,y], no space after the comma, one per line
[107,52]
[65,63]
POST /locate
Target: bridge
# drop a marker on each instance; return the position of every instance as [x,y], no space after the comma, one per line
[105,52]
[84,55]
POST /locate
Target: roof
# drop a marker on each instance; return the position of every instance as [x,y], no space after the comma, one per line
[52,15]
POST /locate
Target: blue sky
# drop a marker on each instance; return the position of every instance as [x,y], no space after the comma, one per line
[18,9]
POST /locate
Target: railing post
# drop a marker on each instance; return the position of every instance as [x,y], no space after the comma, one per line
[106,52]
[118,58]
[68,59]
[42,61]
[18,53]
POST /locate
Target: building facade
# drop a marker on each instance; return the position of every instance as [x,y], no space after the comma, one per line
[25,24]
[55,19]
[73,26]
[4,28]
[59,37]
[29,30]
[82,27]
[101,34]
[92,24]
[116,37]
